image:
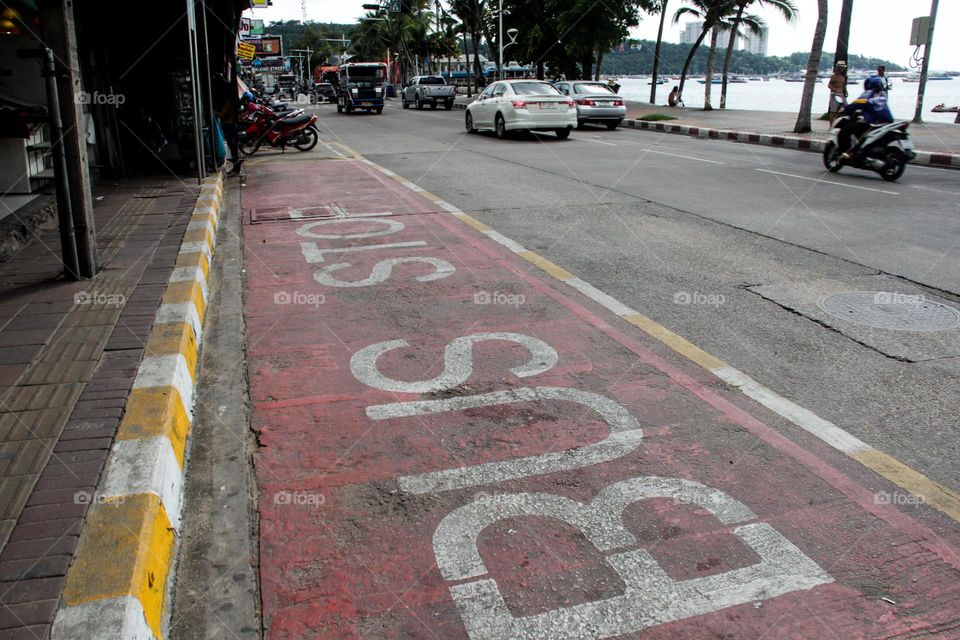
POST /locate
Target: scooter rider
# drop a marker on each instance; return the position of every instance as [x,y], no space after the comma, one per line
[869,109]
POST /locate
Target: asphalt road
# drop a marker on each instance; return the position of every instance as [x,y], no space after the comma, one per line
[730,246]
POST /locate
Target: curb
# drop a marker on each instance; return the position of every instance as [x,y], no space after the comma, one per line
[118,582]
[944,160]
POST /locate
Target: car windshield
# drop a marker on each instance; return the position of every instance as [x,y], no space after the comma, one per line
[431,80]
[593,87]
[534,89]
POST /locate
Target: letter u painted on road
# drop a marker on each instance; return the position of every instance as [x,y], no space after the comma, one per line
[650,596]
[625,432]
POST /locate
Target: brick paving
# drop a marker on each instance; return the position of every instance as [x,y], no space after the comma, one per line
[69,352]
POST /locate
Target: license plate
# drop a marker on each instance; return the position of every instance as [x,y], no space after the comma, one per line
[907,144]
[604,104]
[366,103]
[547,106]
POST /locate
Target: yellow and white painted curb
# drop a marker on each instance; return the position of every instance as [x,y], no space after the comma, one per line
[933,493]
[121,572]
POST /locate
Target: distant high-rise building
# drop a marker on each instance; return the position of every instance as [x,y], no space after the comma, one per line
[691,31]
[756,43]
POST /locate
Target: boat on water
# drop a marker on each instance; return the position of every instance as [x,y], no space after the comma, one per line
[715,81]
[939,77]
[941,108]
[817,81]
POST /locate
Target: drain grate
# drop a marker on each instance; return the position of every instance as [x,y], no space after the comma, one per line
[893,311]
[286,214]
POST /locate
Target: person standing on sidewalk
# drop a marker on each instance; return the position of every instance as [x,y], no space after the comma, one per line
[838,88]
[882,74]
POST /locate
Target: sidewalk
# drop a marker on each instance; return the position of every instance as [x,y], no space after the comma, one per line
[69,353]
[938,143]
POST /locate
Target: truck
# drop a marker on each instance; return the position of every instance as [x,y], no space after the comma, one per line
[361,86]
[432,90]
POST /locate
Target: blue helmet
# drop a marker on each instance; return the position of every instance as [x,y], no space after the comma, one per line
[873,83]
[247,96]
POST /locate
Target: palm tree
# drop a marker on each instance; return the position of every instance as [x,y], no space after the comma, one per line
[710,12]
[813,65]
[843,34]
[755,25]
[708,86]
[656,52]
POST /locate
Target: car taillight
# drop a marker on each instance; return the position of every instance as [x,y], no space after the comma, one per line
[618,103]
[571,104]
[586,102]
[519,104]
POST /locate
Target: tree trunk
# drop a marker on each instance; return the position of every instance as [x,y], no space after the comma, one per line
[466,53]
[586,64]
[540,70]
[708,86]
[843,35]
[656,54]
[813,65]
[729,57]
[686,64]
[596,73]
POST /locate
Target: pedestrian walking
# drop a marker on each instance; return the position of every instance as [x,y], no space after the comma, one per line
[838,89]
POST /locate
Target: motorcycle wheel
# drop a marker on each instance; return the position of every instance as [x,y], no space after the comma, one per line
[894,166]
[249,146]
[831,157]
[339,106]
[308,139]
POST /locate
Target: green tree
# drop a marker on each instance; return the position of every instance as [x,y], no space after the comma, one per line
[711,13]
[754,25]
[662,10]
[813,65]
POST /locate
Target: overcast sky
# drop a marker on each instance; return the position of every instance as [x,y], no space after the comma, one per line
[880,28]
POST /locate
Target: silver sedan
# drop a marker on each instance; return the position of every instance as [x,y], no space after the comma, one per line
[596,103]
[522,105]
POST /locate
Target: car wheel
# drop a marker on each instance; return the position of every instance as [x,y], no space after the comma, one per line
[563,134]
[581,124]
[379,110]
[419,103]
[613,125]
[339,106]
[448,106]
[500,126]
[469,122]
[403,101]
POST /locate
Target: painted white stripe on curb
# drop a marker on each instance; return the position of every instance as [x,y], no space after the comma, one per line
[164,371]
[181,312]
[191,274]
[195,247]
[145,466]
[113,619]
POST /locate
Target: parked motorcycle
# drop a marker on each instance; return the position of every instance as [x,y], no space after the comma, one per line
[260,124]
[885,149]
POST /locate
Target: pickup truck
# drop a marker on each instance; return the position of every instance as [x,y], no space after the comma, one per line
[432,90]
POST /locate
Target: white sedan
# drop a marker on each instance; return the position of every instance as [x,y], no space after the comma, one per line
[522,105]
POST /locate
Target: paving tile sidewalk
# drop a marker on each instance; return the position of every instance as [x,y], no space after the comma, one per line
[69,352]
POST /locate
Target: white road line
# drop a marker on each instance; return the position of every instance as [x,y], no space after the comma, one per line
[838,184]
[608,144]
[677,155]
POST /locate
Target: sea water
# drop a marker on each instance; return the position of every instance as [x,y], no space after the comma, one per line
[780,95]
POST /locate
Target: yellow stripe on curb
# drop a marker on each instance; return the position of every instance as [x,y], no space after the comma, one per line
[200,235]
[174,338]
[194,260]
[931,492]
[126,549]
[187,291]
[156,411]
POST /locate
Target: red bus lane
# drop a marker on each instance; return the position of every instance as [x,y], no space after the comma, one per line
[451,447]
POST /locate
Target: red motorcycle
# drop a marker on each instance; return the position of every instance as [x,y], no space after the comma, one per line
[260,125]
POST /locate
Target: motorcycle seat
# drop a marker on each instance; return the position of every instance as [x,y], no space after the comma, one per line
[303,118]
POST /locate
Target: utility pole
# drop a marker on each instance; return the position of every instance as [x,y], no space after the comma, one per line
[500,43]
[925,68]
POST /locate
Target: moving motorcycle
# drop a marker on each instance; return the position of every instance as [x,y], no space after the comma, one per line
[260,124]
[885,148]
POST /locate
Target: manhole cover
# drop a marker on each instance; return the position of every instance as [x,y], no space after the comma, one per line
[886,310]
